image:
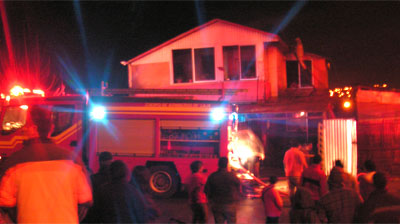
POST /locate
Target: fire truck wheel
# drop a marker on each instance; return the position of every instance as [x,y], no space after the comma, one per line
[164,181]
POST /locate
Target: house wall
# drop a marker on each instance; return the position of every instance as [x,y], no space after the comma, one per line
[142,79]
[155,70]
[274,64]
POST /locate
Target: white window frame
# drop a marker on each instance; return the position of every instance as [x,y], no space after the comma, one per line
[193,66]
[240,61]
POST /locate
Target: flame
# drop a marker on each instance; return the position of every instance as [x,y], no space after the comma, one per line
[243,146]
[341,92]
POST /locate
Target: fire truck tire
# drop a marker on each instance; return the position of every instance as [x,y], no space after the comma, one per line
[164,181]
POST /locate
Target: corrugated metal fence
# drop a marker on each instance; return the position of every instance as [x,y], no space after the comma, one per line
[338,140]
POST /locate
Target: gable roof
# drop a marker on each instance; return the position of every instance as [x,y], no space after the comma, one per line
[276,37]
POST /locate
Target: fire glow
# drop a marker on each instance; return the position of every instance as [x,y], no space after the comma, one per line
[244,146]
[341,92]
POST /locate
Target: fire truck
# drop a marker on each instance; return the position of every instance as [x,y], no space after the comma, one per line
[165,135]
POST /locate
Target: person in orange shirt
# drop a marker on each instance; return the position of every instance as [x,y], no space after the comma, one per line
[294,162]
[44,182]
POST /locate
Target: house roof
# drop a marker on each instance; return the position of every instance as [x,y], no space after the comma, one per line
[278,39]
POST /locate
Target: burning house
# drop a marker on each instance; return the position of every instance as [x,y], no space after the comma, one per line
[281,92]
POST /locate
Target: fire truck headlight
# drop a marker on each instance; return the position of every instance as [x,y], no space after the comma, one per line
[98,112]
[218,114]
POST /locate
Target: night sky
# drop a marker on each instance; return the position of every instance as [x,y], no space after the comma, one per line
[89,39]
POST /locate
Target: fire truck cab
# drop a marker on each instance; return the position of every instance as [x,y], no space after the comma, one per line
[16,125]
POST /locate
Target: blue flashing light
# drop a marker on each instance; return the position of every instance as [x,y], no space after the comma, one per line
[218,114]
[98,113]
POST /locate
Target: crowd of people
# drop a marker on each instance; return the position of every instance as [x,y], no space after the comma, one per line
[338,197]
[43,183]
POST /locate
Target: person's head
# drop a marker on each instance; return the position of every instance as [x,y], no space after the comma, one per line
[105,158]
[336,179]
[339,163]
[223,163]
[316,159]
[380,180]
[119,171]
[369,165]
[196,166]
[42,118]
[273,179]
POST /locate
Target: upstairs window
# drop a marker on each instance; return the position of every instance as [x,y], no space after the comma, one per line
[296,76]
[239,62]
[182,60]
[204,65]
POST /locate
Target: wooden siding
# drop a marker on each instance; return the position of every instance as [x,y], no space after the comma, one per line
[158,79]
[215,35]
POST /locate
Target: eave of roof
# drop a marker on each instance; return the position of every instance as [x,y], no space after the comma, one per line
[276,37]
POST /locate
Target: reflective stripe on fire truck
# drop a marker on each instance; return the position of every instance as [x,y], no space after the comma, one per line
[12,142]
[67,133]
